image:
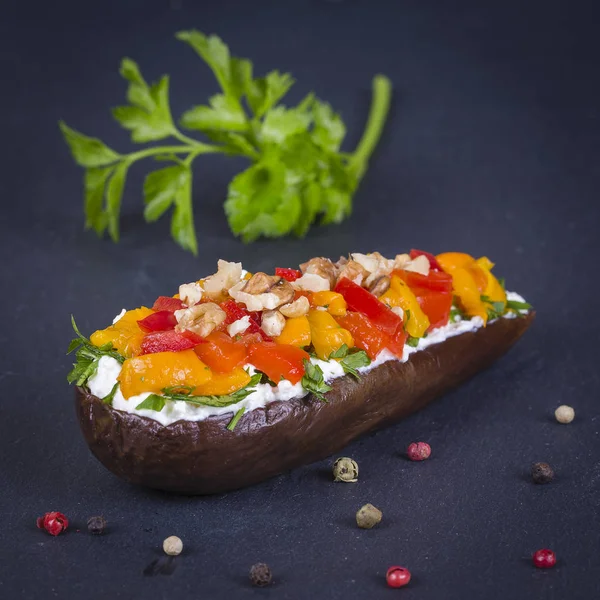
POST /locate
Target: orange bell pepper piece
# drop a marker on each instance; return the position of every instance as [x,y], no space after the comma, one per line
[154,372]
[296,332]
[224,383]
[125,335]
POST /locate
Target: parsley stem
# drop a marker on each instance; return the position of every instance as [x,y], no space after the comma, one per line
[382,93]
[196,148]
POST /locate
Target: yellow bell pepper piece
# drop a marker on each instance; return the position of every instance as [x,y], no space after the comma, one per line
[125,335]
[493,290]
[296,332]
[224,383]
[399,294]
[332,301]
[327,336]
[154,372]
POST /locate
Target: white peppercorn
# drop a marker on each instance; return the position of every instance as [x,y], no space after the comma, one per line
[173,546]
[564,414]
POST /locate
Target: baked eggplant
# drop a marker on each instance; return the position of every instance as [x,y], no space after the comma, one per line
[205,454]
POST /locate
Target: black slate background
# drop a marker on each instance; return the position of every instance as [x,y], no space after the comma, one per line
[493,148]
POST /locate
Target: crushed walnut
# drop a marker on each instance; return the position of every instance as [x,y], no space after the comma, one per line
[322,267]
[297,308]
[263,292]
[201,319]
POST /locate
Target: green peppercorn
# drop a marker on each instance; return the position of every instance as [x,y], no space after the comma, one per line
[345,469]
[368,516]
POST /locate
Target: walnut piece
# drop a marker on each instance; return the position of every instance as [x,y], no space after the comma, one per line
[263,292]
[297,308]
[190,293]
[227,275]
[322,267]
[201,319]
[354,271]
[272,323]
[380,285]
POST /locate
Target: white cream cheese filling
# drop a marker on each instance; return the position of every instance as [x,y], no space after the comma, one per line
[108,370]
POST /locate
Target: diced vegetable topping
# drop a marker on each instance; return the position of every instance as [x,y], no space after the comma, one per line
[199,345]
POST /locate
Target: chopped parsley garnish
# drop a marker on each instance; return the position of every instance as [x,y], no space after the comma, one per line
[314,380]
[516,305]
[413,342]
[87,357]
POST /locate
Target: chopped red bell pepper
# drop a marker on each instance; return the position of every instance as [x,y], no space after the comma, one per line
[436,280]
[436,305]
[288,274]
[169,341]
[397,341]
[163,320]
[360,300]
[433,263]
[236,311]
[366,336]
[220,352]
[246,339]
[278,361]
[168,303]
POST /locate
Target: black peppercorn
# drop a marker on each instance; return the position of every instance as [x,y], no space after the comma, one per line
[96,525]
[542,473]
[260,575]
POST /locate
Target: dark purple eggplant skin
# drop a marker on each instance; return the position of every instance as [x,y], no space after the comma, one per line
[204,457]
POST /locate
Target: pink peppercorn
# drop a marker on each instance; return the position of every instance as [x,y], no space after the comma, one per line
[419,451]
[544,558]
[53,522]
[397,577]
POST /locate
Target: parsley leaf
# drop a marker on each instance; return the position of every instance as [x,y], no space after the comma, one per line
[354,361]
[341,352]
[413,342]
[152,402]
[87,357]
[149,116]
[494,309]
[518,306]
[108,399]
[297,175]
[314,381]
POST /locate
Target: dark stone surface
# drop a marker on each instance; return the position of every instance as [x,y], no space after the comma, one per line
[493,148]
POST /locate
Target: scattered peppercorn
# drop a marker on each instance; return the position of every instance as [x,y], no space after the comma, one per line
[544,558]
[260,575]
[173,546]
[542,473]
[419,451]
[397,577]
[564,414]
[345,469]
[368,516]
[53,522]
[96,525]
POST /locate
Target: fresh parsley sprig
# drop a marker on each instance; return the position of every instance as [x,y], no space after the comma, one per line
[297,175]
[351,361]
[184,394]
[87,357]
[314,380]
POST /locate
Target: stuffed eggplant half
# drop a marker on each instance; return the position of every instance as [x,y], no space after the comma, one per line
[241,376]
